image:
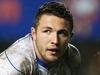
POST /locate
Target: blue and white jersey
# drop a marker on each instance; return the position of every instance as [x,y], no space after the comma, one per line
[20,59]
[56,69]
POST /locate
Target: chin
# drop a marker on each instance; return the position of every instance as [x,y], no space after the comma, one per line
[53,59]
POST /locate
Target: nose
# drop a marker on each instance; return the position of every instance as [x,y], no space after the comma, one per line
[54,38]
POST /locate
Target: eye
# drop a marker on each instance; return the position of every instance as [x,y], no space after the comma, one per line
[47,31]
[63,33]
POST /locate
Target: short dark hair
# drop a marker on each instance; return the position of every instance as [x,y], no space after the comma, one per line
[54,8]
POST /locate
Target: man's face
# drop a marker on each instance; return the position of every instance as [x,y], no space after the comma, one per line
[51,37]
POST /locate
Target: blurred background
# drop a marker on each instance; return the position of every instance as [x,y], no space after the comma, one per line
[17,17]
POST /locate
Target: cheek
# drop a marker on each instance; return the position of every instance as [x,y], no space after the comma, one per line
[40,36]
[64,40]
[42,40]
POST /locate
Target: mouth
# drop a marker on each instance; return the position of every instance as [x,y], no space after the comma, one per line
[53,50]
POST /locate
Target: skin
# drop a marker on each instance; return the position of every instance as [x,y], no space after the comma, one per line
[51,37]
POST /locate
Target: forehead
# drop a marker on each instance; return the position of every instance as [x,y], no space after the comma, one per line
[53,22]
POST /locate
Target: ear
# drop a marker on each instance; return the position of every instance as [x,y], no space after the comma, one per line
[33,33]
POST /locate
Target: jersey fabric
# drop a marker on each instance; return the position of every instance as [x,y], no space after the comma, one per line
[20,59]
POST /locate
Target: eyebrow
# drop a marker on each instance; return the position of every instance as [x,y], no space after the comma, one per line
[51,28]
[47,28]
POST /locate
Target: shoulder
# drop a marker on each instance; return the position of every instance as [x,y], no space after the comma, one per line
[74,57]
[7,67]
[17,54]
[22,46]
[73,51]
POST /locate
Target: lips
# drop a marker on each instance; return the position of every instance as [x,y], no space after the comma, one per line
[53,50]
